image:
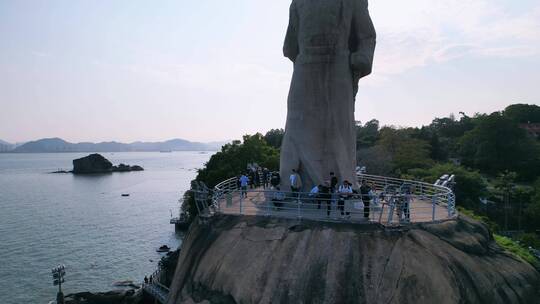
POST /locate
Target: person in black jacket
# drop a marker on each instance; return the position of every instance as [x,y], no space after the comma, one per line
[365,189]
[325,195]
[333,182]
[275,180]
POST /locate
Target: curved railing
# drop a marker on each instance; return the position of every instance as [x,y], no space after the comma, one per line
[392,201]
[439,196]
[155,288]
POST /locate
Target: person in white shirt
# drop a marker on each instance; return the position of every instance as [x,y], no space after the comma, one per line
[345,191]
[296,181]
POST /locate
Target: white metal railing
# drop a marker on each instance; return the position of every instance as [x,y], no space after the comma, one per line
[392,201]
[155,288]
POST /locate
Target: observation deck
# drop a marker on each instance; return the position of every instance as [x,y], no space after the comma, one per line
[392,202]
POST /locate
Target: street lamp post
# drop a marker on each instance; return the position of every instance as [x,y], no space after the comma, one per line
[58,274]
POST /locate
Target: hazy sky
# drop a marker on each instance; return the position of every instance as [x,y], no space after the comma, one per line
[213,69]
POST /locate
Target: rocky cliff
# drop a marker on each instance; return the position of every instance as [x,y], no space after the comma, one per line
[232,259]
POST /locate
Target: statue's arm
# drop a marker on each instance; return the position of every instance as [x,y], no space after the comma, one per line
[290,48]
[362,40]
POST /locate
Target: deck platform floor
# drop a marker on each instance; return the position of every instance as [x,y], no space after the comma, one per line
[260,203]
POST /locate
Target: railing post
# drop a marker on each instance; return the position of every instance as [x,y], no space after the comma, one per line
[434,204]
[381,214]
[298,203]
[407,208]
[449,205]
[267,201]
[391,207]
[241,201]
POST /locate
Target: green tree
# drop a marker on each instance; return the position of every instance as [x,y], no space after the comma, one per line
[376,159]
[274,137]
[532,211]
[505,185]
[406,152]
[233,159]
[444,134]
[497,144]
[367,135]
[449,127]
[523,113]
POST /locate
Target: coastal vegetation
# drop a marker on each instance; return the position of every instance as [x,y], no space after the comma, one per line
[231,161]
[495,158]
[517,249]
[234,157]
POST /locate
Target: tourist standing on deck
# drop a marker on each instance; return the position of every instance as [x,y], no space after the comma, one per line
[333,182]
[345,191]
[313,194]
[265,177]
[325,195]
[275,180]
[365,192]
[244,181]
[252,178]
[296,181]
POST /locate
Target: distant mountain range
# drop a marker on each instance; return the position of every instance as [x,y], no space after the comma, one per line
[54,145]
[5,146]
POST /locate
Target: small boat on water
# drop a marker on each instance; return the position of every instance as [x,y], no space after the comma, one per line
[125,194]
[164,248]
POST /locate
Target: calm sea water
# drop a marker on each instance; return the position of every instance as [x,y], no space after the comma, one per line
[84,222]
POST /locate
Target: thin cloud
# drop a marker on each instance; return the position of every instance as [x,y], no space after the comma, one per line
[417,33]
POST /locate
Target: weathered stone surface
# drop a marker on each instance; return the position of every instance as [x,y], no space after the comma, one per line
[111,297]
[126,168]
[96,163]
[93,163]
[331,43]
[259,260]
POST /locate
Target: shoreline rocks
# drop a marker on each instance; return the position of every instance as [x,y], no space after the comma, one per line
[129,296]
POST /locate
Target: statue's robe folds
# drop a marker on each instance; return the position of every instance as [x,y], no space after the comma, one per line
[331,43]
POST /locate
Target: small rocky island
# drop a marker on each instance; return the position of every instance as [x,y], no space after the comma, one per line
[96,163]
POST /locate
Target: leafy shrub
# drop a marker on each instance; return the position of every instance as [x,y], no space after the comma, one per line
[530,240]
[231,161]
[516,249]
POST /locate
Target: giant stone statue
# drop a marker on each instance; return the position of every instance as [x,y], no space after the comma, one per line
[331,43]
